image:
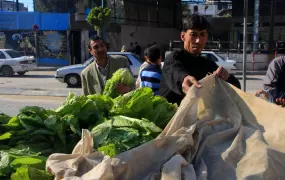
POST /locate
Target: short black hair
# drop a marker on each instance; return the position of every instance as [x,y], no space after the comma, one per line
[195,21]
[153,53]
[93,38]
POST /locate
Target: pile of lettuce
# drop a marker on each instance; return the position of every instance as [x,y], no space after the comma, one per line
[121,76]
[117,124]
[122,133]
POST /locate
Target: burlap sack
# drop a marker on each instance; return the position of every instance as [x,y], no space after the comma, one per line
[218,132]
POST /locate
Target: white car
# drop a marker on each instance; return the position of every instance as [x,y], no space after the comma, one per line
[12,62]
[71,74]
[228,64]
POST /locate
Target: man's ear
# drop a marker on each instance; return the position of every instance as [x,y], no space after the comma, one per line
[182,35]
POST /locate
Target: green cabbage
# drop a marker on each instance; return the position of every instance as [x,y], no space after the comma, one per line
[121,133]
[122,76]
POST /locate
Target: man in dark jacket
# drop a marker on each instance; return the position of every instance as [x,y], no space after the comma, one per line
[186,67]
[274,81]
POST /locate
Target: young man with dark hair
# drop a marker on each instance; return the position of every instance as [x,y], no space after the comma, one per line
[186,67]
[151,73]
[95,75]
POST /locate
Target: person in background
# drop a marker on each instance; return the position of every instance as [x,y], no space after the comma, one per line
[144,64]
[137,49]
[151,73]
[186,67]
[124,48]
[274,81]
[131,48]
[95,75]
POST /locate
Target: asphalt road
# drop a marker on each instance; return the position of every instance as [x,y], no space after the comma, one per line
[41,89]
[11,104]
[38,83]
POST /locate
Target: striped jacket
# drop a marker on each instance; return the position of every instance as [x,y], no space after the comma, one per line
[150,77]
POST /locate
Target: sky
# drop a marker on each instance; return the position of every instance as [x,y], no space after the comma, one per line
[28,3]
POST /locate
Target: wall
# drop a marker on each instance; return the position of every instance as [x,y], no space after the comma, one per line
[26,20]
[145,35]
[52,35]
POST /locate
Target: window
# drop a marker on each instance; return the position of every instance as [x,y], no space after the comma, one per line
[212,57]
[223,58]
[209,56]
[89,61]
[2,55]
[13,54]
[128,59]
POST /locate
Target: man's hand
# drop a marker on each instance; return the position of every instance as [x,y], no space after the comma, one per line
[222,73]
[280,102]
[188,82]
[122,88]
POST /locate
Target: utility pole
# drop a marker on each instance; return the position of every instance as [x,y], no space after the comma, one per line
[244,42]
[17,5]
[272,23]
[256,25]
[34,4]
[102,3]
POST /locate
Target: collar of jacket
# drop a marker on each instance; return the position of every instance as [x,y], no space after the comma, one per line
[99,67]
[188,53]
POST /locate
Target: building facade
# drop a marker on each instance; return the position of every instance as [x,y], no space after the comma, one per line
[52,46]
[236,34]
[141,21]
[6,5]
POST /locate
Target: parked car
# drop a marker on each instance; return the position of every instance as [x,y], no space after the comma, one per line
[71,74]
[228,64]
[12,62]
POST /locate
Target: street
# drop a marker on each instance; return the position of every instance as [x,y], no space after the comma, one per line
[11,104]
[39,83]
[39,88]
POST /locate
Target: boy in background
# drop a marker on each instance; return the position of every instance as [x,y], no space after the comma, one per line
[151,74]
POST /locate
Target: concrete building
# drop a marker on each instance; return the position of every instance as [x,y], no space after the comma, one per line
[236,34]
[209,8]
[6,5]
[133,21]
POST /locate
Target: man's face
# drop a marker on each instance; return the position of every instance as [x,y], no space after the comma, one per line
[194,40]
[98,49]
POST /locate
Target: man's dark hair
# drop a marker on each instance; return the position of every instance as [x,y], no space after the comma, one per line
[93,38]
[153,53]
[196,21]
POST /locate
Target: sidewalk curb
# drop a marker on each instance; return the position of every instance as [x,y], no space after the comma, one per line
[262,73]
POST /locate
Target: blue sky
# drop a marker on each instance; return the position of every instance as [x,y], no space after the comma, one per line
[28,3]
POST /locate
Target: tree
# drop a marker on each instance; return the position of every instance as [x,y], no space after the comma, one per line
[99,18]
[186,11]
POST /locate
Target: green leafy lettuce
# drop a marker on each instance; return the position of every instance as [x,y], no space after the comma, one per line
[12,159]
[122,76]
[122,133]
